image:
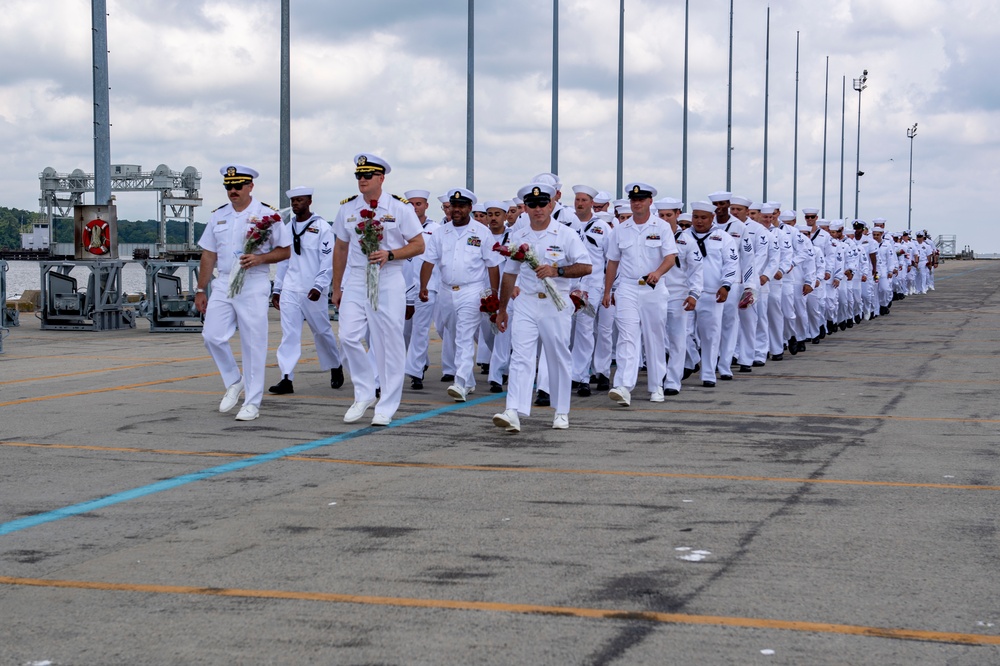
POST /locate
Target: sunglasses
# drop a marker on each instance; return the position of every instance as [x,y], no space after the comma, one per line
[364,176]
[535,204]
[235,186]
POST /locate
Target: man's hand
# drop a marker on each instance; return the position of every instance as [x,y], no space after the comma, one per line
[380,257]
[501,321]
[764,280]
[335,297]
[314,294]
[248,261]
[690,303]
[721,295]
[806,289]
[425,295]
[276,301]
[409,312]
[778,275]
[201,302]
[606,301]
[546,271]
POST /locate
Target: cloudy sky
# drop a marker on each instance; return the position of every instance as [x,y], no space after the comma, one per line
[196,82]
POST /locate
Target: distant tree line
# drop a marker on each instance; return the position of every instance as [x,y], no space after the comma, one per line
[13,220]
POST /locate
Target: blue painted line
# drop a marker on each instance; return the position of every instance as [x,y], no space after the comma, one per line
[961,274]
[184,479]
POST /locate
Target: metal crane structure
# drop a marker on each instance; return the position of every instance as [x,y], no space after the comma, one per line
[177,194]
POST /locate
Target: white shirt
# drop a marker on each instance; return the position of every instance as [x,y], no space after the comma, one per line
[640,248]
[687,278]
[399,226]
[462,253]
[557,245]
[226,234]
[313,267]
[720,259]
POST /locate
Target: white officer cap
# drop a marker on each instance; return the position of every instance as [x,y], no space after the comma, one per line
[716,197]
[537,191]
[502,205]
[669,203]
[299,191]
[810,211]
[767,209]
[585,189]
[416,194]
[548,179]
[741,201]
[460,195]
[478,208]
[640,191]
[703,206]
[368,163]
[602,197]
[237,173]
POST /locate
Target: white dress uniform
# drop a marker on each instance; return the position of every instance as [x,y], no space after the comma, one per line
[423,313]
[536,318]
[769,256]
[500,355]
[595,234]
[310,268]
[821,240]
[923,254]
[781,327]
[735,321]
[684,280]
[721,263]
[463,255]
[884,260]
[804,273]
[400,224]
[639,249]
[225,235]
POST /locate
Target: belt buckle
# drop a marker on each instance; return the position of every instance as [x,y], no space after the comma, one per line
[541,295]
[642,281]
[455,287]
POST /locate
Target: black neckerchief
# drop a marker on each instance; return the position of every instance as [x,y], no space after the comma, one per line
[701,242]
[296,243]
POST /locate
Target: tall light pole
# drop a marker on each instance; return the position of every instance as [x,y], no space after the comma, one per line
[621,98]
[684,130]
[859,85]
[555,87]
[795,150]
[102,114]
[729,124]
[767,76]
[843,128]
[826,109]
[910,133]
[285,112]
[470,107]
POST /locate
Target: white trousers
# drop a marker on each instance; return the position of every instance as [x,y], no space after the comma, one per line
[604,344]
[730,329]
[748,333]
[420,334]
[584,334]
[776,319]
[537,319]
[641,310]
[385,328]
[460,319]
[708,322]
[248,311]
[762,344]
[296,307]
[678,323]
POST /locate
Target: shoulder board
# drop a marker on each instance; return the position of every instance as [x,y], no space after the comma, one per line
[399,198]
[348,199]
[220,207]
[268,206]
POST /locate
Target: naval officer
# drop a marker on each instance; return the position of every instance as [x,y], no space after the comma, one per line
[223,242]
[402,238]
[301,291]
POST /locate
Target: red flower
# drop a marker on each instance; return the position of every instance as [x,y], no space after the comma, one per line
[577,299]
[367,214]
[489,304]
[502,249]
[360,228]
[373,203]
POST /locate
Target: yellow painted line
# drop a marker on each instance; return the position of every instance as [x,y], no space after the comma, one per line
[520,609]
[126,387]
[105,369]
[509,470]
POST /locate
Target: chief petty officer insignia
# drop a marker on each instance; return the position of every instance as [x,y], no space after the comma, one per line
[474,241]
[535,192]
[636,190]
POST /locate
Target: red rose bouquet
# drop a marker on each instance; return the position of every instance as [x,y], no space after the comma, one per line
[489,304]
[370,231]
[258,234]
[523,252]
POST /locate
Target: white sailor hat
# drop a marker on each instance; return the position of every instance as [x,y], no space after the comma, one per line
[878,230]
[716,197]
[502,205]
[368,163]
[775,204]
[461,196]
[585,189]
[509,203]
[537,191]
[602,197]
[836,225]
[416,194]
[703,206]
[740,201]
[443,198]
[822,223]
[810,211]
[787,216]
[299,191]
[640,191]
[620,202]
[604,215]
[684,217]
[517,201]
[623,208]
[669,203]
[767,209]
[548,179]
[878,222]
[478,208]
[233,174]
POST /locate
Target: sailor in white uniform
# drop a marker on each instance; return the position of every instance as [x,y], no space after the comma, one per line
[223,243]
[301,292]
[402,238]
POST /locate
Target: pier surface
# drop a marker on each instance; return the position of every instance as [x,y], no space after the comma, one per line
[839,507]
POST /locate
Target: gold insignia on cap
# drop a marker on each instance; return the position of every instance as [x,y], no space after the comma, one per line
[635,190]
[231,171]
[362,160]
[457,194]
[536,191]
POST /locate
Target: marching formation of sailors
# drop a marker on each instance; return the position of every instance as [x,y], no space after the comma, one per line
[546,297]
